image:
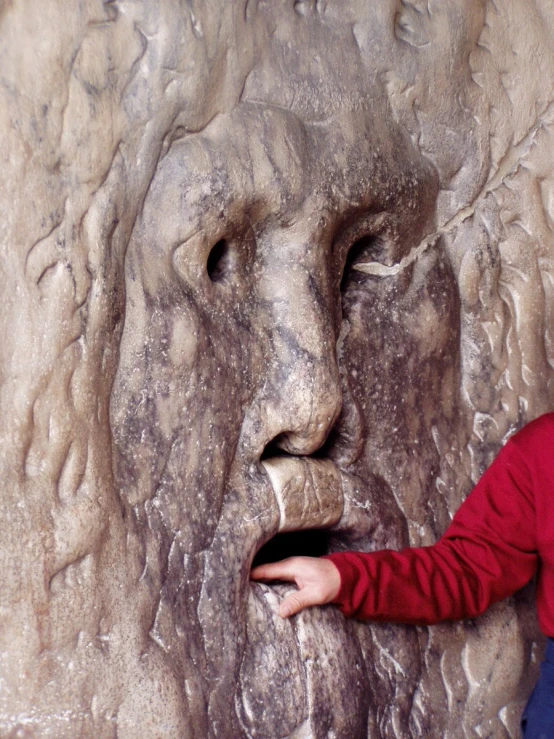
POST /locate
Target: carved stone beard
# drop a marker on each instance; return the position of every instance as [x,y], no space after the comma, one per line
[225,405]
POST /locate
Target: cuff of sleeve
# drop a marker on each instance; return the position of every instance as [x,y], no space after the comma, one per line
[348,579]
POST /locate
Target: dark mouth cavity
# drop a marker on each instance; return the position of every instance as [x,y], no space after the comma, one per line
[304,543]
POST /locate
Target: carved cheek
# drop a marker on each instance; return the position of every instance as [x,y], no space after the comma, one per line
[183,344]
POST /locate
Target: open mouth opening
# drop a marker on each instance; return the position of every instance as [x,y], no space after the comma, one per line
[305,543]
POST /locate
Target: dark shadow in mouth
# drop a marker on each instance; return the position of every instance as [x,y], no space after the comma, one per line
[306,543]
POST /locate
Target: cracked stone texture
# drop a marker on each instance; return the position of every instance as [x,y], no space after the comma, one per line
[237,231]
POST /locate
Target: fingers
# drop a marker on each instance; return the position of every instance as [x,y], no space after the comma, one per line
[318,581]
[283,570]
[287,570]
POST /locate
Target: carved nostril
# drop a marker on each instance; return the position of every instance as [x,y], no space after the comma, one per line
[305,543]
[326,449]
[300,436]
[274,449]
[345,442]
[291,445]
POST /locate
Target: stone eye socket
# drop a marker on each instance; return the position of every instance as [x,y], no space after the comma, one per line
[368,248]
[219,262]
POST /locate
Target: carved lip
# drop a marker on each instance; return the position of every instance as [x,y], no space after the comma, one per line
[308,492]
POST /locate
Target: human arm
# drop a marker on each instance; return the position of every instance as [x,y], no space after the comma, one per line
[488,552]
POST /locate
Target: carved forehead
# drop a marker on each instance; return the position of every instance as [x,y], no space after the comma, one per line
[265,162]
[252,162]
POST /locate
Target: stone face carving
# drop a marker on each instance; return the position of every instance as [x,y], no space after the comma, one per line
[268,267]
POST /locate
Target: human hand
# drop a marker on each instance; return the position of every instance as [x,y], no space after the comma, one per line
[317,580]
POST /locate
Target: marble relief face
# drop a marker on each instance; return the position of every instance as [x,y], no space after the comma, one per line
[232,419]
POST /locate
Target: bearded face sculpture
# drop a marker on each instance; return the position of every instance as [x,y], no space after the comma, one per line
[229,384]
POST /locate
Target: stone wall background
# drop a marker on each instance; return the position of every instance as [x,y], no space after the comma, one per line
[124,602]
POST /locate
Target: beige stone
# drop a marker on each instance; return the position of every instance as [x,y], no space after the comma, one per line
[265,265]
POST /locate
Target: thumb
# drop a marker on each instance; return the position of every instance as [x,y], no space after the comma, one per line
[295,603]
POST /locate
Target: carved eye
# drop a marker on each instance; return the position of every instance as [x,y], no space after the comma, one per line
[368,248]
[224,263]
[220,261]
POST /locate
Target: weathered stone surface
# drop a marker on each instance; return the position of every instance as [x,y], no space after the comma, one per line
[235,232]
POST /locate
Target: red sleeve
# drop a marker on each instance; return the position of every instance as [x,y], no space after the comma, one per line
[487,553]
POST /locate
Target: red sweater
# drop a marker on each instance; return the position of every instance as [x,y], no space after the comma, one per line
[501,535]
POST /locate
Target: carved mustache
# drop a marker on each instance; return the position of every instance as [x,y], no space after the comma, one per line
[308,492]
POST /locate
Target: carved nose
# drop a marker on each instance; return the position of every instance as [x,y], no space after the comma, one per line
[308,405]
[303,396]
